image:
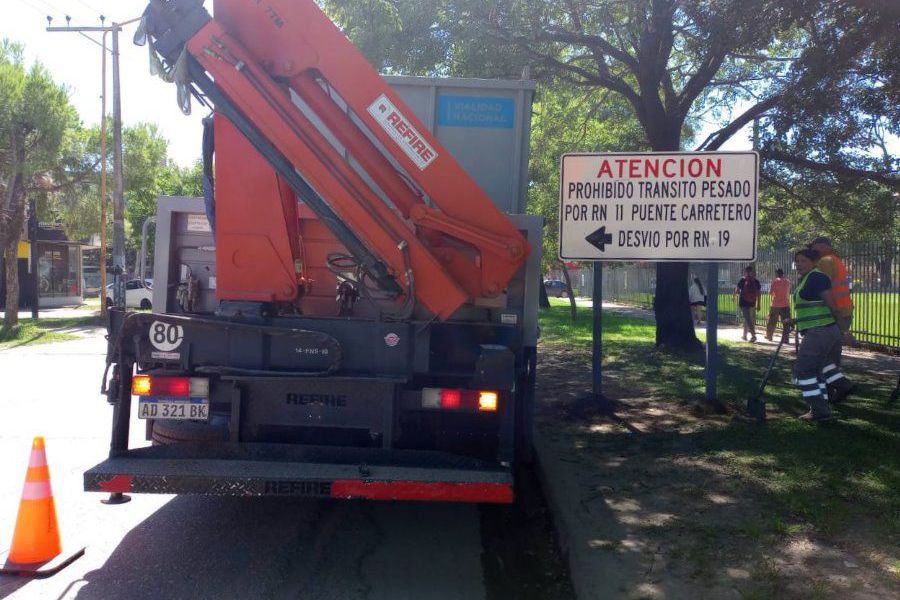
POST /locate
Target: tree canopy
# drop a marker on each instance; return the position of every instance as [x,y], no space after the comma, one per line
[820,77]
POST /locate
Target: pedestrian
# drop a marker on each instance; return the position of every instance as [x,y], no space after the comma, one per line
[748,291]
[831,265]
[815,319]
[697,298]
[780,290]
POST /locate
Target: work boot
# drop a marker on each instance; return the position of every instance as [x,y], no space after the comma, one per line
[808,416]
[840,389]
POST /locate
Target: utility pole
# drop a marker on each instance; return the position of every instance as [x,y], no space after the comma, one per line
[118,176]
[103,306]
[119,183]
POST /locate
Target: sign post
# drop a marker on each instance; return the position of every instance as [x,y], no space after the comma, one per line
[659,207]
[712,332]
[597,353]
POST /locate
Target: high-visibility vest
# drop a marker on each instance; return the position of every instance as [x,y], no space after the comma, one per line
[840,283]
[811,313]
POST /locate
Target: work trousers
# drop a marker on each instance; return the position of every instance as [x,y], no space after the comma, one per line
[817,360]
[784,312]
[749,313]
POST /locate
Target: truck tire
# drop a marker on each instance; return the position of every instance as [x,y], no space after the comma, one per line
[172,432]
[524,437]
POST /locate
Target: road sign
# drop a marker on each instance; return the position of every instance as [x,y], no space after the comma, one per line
[659,206]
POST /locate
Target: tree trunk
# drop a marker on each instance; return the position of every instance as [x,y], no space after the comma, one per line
[543,300]
[674,323]
[569,291]
[11,318]
[15,221]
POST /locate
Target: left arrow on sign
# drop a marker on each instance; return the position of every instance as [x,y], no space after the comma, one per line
[599,239]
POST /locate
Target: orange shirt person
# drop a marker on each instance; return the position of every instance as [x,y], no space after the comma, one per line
[831,264]
[780,290]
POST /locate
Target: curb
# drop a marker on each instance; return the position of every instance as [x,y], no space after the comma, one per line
[564,530]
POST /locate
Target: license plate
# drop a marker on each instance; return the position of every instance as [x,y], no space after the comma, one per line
[175,409]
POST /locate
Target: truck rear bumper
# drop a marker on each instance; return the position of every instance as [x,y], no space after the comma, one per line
[318,472]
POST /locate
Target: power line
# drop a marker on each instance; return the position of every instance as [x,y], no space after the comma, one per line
[53,10]
[50,8]
[34,8]
[89,7]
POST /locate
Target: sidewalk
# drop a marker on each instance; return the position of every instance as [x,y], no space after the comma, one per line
[59,313]
[727,331]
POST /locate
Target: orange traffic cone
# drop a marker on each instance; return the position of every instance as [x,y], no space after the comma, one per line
[36,537]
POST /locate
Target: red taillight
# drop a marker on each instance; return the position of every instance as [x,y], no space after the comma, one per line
[179,387]
[457,399]
[451,399]
[171,386]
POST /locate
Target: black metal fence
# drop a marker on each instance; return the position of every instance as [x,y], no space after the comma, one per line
[873,269]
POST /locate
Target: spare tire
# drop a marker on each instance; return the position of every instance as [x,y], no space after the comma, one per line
[172,432]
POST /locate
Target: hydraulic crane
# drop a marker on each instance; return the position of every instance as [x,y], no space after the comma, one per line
[287,78]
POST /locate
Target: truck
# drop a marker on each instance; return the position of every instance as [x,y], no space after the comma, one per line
[347,312]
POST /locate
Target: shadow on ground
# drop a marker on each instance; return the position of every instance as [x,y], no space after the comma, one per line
[672,501]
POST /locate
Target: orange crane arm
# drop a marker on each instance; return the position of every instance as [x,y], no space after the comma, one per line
[289,79]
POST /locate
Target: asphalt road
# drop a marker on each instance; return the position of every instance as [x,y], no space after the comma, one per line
[196,547]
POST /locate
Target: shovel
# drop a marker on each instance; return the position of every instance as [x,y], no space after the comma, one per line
[756,406]
[896,393]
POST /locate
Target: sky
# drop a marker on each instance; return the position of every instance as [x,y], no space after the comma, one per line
[75,61]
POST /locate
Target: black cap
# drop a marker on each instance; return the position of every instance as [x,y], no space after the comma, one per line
[821,240]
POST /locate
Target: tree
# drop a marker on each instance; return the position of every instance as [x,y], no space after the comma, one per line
[149,173]
[672,61]
[822,75]
[35,116]
[421,38]
[569,118]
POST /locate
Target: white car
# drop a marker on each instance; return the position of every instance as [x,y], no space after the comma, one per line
[137,295]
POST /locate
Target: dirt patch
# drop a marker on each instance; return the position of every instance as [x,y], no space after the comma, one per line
[521,557]
[651,512]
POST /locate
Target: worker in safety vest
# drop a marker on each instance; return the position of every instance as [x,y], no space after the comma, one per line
[820,351]
[830,264]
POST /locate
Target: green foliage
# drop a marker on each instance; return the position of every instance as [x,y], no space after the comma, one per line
[566,119]
[859,211]
[35,116]
[149,173]
[424,37]
[145,165]
[181,181]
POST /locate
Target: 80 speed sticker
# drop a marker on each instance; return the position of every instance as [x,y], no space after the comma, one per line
[165,336]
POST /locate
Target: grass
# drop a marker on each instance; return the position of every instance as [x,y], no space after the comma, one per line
[45,331]
[819,477]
